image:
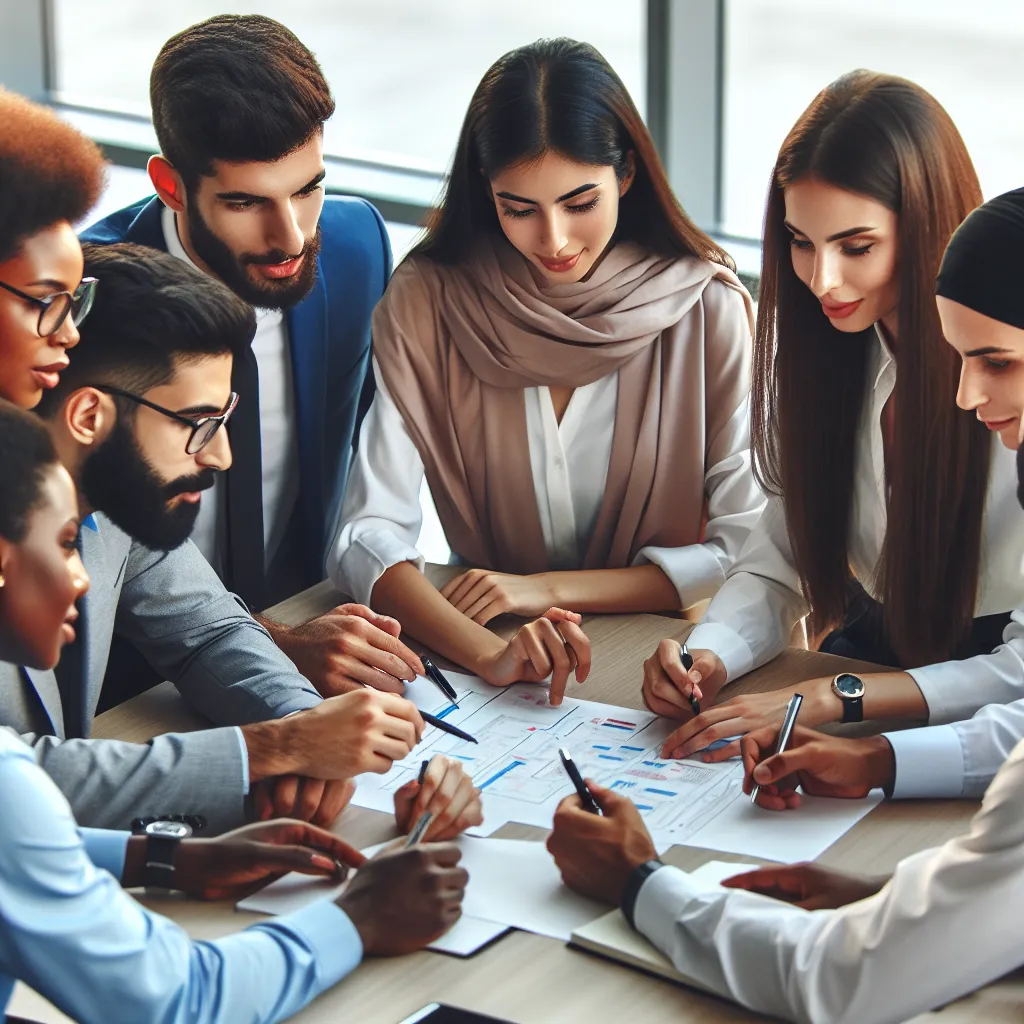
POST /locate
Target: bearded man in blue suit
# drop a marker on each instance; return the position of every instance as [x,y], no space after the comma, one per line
[239,105]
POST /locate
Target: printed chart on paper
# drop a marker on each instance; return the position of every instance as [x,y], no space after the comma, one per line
[516,765]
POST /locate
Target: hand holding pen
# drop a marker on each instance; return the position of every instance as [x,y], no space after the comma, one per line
[440,804]
[785,732]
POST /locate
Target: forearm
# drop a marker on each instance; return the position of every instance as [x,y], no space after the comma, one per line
[891,695]
[641,588]
[277,630]
[405,593]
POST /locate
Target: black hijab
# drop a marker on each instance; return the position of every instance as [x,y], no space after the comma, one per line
[983,269]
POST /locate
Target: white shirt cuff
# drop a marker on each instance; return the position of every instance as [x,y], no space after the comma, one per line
[661,900]
[693,570]
[245,758]
[106,848]
[734,651]
[368,557]
[929,763]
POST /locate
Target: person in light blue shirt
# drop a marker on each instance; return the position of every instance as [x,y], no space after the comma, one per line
[68,929]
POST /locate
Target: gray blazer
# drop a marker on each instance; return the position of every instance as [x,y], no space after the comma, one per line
[195,633]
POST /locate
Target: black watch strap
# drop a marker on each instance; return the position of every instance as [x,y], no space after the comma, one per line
[634,884]
[853,709]
[159,869]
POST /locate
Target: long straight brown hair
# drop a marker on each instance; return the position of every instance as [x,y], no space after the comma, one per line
[558,95]
[888,139]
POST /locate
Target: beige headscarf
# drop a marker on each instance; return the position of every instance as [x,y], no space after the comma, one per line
[458,345]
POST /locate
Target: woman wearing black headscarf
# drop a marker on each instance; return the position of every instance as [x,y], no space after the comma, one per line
[949,920]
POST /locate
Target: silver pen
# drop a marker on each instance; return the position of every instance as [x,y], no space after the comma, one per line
[784,733]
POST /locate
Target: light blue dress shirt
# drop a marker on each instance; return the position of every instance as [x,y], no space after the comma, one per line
[68,930]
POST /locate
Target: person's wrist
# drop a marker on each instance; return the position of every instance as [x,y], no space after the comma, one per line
[828,706]
[879,762]
[278,631]
[362,917]
[632,883]
[551,589]
[271,746]
[134,863]
[485,662]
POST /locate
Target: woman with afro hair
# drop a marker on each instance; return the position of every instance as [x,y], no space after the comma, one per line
[50,177]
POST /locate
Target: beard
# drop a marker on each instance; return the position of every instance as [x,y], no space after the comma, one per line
[233,270]
[119,482]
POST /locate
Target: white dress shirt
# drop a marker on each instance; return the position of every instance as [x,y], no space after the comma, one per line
[751,618]
[947,923]
[381,516]
[278,433]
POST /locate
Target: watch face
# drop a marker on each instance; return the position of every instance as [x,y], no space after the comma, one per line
[169,829]
[849,685]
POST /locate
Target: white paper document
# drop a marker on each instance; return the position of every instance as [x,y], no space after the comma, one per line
[516,765]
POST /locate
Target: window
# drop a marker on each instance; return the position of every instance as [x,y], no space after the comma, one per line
[780,53]
[402,71]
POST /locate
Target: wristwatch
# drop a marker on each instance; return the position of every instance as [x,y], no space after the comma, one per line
[162,838]
[634,884]
[850,690]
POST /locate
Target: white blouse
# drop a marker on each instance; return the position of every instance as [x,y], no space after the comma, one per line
[947,923]
[381,517]
[750,619]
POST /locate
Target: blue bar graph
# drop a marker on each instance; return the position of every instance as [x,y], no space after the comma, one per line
[498,775]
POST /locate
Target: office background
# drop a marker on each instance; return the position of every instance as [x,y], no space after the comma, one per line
[719,82]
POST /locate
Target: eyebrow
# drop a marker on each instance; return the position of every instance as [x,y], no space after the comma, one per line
[49,282]
[848,233]
[201,410]
[989,350]
[561,199]
[253,198]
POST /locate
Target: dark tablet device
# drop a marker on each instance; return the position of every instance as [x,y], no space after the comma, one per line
[442,1013]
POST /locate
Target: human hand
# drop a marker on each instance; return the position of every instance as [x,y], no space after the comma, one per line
[402,900]
[806,885]
[553,644]
[349,646]
[448,793]
[747,712]
[668,686]
[597,853]
[234,864]
[364,731]
[318,801]
[821,765]
[481,595]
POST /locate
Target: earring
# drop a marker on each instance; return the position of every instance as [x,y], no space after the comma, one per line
[2,580]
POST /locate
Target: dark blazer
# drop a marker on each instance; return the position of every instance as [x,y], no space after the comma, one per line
[329,336]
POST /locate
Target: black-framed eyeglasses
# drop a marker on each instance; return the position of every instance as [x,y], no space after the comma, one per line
[203,427]
[54,309]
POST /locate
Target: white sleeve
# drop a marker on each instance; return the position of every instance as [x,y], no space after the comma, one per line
[381,515]
[955,690]
[734,505]
[958,760]
[749,621]
[947,923]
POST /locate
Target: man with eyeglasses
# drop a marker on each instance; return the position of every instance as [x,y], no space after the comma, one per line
[136,419]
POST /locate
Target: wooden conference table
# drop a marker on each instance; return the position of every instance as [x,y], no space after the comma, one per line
[528,978]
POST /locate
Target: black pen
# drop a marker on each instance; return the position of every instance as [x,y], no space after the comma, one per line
[586,797]
[687,659]
[440,723]
[435,675]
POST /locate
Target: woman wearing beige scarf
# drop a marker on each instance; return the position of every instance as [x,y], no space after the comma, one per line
[566,358]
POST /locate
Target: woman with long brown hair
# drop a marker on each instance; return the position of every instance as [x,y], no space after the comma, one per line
[892,516]
[565,357]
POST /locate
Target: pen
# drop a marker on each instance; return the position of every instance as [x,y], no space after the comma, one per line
[586,797]
[687,659]
[784,733]
[423,824]
[440,723]
[435,675]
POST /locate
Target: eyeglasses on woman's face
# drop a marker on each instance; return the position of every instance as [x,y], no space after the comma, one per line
[54,309]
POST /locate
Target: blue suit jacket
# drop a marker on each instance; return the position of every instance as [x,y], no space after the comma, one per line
[329,335]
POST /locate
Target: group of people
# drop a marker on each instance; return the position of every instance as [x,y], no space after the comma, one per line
[604,426]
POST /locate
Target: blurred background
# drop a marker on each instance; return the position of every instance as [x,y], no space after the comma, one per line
[720,82]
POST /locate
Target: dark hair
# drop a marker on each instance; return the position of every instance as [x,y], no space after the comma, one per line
[151,311]
[49,172]
[26,453]
[888,139]
[563,96]
[235,87]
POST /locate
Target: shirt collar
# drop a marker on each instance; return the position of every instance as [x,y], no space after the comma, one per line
[884,360]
